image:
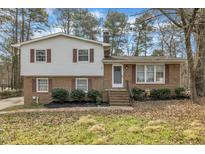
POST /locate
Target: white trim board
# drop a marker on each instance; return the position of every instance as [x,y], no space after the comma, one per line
[122,78]
[145,82]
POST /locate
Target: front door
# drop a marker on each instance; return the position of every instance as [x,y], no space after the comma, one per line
[117,76]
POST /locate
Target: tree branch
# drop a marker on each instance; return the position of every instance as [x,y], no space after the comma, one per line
[170,18]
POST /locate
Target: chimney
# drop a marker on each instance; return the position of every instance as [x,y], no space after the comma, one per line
[106,39]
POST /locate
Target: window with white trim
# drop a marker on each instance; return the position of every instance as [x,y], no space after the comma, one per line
[83,55]
[42,85]
[150,73]
[140,73]
[160,73]
[82,84]
[40,55]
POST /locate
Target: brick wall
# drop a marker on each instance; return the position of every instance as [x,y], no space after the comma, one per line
[174,77]
[100,83]
[57,82]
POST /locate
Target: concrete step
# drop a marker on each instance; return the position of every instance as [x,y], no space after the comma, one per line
[120,104]
[118,92]
[122,95]
[123,101]
[119,98]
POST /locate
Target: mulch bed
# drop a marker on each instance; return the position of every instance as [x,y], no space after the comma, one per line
[74,104]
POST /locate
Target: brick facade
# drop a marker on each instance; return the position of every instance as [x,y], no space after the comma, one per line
[100,83]
[57,82]
[174,77]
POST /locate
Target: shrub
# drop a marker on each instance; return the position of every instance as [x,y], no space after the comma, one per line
[77,95]
[60,94]
[8,94]
[158,94]
[95,96]
[180,92]
[138,94]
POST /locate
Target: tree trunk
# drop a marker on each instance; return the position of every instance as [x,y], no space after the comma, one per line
[194,97]
[137,46]
[200,57]
[145,52]
[22,25]
[68,21]
[14,77]
[28,30]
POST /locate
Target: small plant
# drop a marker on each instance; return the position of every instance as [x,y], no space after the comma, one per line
[77,95]
[138,94]
[95,96]
[180,92]
[160,94]
[98,100]
[60,94]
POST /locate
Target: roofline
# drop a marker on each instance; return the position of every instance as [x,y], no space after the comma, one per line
[128,61]
[58,34]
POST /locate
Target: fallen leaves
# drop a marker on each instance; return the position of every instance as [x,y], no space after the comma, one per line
[164,122]
[191,134]
[101,141]
[156,122]
[134,129]
[153,128]
[98,128]
[86,120]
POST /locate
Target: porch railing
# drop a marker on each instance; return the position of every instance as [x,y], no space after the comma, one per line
[129,92]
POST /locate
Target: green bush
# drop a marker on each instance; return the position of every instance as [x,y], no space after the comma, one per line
[138,94]
[77,95]
[8,94]
[60,94]
[95,96]
[160,94]
[180,92]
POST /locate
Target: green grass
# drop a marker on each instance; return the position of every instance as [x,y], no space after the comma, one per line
[25,106]
[97,128]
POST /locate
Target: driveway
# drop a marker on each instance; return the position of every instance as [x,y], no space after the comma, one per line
[5,103]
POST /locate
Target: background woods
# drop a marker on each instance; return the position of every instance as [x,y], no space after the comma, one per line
[17,25]
[144,32]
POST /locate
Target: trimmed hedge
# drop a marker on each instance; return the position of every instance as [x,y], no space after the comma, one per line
[138,94]
[8,94]
[180,92]
[95,96]
[77,95]
[160,94]
[60,94]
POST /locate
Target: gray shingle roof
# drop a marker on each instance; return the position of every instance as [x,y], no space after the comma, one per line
[147,59]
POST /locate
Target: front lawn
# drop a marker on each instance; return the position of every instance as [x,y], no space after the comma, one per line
[153,123]
[24,106]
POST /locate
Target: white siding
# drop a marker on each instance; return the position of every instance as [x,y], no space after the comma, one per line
[62,58]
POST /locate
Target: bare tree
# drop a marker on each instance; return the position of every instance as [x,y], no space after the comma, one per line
[171,39]
[186,21]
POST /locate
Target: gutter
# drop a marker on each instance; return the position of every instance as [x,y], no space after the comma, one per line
[144,61]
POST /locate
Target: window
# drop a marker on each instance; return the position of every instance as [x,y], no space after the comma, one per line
[159,73]
[40,55]
[82,55]
[150,74]
[42,85]
[82,84]
[140,73]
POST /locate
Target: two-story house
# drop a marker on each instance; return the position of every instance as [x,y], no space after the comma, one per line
[70,62]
